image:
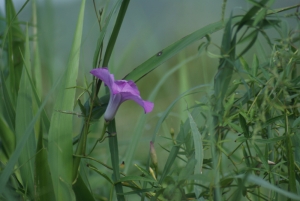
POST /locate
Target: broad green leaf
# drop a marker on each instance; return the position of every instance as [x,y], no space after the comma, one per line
[23,119]
[60,150]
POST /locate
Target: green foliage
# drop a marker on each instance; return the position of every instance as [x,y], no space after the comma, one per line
[239,141]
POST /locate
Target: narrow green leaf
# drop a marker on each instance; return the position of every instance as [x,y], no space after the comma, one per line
[136,178]
[9,168]
[198,145]
[225,68]
[138,131]
[140,191]
[102,34]
[23,119]
[261,156]
[290,157]
[260,16]
[173,49]
[255,65]
[114,154]
[7,137]
[8,106]
[81,190]
[115,33]
[168,110]
[60,150]
[187,170]
[173,154]
[15,43]
[244,126]
[102,174]
[43,181]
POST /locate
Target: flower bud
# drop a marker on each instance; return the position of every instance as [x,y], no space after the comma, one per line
[153,154]
[152,173]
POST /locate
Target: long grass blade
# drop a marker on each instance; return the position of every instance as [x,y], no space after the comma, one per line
[173,49]
[60,133]
[25,115]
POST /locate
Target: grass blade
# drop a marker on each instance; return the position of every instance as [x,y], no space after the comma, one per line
[114,151]
[60,133]
[173,49]
[43,181]
[25,115]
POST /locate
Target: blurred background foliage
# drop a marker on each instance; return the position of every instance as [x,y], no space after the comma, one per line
[148,27]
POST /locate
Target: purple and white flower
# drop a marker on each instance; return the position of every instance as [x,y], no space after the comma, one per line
[120,91]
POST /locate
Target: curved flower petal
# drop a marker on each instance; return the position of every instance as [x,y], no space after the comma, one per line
[120,91]
[112,107]
[148,106]
[104,75]
[126,86]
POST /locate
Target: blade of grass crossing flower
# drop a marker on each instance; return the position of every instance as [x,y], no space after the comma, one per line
[25,115]
[115,33]
[60,150]
[173,49]
[102,34]
[114,154]
[113,37]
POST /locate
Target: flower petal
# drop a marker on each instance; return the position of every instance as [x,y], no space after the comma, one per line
[104,75]
[112,107]
[126,86]
[148,106]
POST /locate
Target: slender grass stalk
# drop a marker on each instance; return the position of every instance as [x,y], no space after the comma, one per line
[114,154]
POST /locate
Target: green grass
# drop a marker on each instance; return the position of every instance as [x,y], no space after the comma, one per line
[231,137]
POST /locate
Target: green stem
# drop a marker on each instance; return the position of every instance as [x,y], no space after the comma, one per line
[113,37]
[114,154]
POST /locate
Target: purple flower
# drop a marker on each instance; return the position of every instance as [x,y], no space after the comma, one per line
[120,91]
